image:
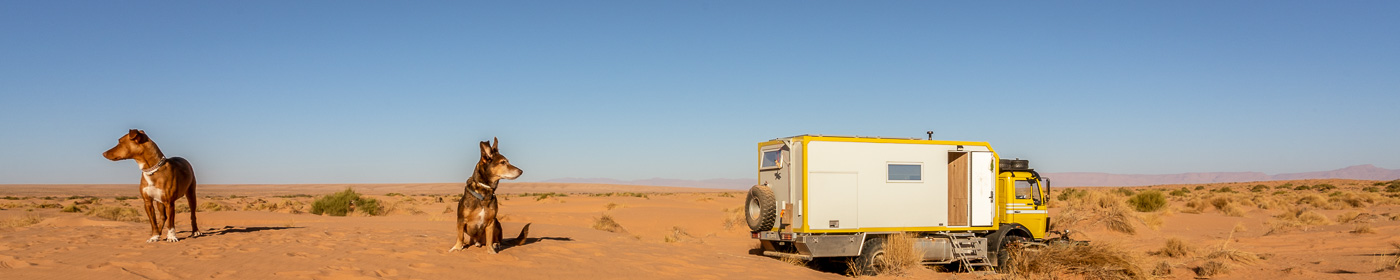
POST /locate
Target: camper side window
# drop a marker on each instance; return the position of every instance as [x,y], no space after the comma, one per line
[905,172]
[771,159]
[1023,189]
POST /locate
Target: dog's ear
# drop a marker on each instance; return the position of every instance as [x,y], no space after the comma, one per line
[486,151]
[495,144]
[137,136]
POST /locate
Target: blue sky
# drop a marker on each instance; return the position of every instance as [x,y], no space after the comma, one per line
[400,92]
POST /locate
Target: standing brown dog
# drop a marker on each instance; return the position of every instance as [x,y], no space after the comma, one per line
[476,213]
[163,180]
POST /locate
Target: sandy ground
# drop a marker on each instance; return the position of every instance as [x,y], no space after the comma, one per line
[262,231]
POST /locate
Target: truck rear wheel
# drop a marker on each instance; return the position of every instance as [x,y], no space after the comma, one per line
[1010,244]
[870,261]
[760,208]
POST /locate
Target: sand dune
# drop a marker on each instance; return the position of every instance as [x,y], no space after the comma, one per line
[262,231]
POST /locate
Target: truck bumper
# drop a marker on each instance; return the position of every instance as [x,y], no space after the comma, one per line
[817,246]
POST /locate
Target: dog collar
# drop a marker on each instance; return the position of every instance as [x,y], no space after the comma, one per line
[153,169]
[477,195]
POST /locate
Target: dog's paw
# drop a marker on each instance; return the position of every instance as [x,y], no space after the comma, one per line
[153,239]
[194,234]
[458,247]
[170,236]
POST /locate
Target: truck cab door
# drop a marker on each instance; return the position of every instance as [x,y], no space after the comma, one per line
[1023,208]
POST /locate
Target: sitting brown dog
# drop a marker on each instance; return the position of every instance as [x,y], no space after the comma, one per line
[476,213]
[163,181]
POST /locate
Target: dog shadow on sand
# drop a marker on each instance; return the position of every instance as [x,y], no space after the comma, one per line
[232,229]
[508,243]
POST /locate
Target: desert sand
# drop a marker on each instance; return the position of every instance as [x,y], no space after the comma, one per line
[265,232]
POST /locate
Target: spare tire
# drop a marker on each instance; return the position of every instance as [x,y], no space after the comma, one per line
[759,208]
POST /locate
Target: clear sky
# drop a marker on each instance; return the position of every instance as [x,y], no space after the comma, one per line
[401,91]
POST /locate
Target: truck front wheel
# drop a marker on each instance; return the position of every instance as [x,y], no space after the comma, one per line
[760,208]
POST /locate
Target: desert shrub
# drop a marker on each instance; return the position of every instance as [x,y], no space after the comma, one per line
[340,204]
[1324,187]
[1234,255]
[606,223]
[1351,216]
[1363,228]
[1315,201]
[1393,262]
[1067,218]
[1093,261]
[543,196]
[1232,210]
[1118,219]
[1308,217]
[1280,192]
[48,205]
[120,198]
[1392,186]
[1069,194]
[900,255]
[72,208]
[1336,194]
[612,205]
[1163,268]
[1302,188]
[394,194]
[1181,192]
[1200,187]
[1223,190]
[211,206]
[1286,186]
[1371,189]
[1196,206]
[1148,201]
[22,221]
[1153,221]
[1259,188]
[678,234]
[1175,248]
[793,260]
[1123,191]
[726,194]
[114,213]
[1211,268]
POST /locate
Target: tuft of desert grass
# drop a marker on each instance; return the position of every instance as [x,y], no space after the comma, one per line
[1196,206]
[1163,268]
[1175,248]
[606,223]
[679,234]
[733,217]
[901,255]
[1392,262]
[1066,219]
[1148,201]
[1211,268]
[1224,252]
[1118,219]
[793,260]
[1239,227]
[210,206]
[1153,221]
[1092,261]
[1351,216]
[114,213]
[27,219]
[612,206]
[1363,228]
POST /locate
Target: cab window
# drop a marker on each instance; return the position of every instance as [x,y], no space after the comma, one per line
[1023,189]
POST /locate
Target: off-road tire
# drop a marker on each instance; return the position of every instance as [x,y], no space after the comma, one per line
[869,260]
[760,209]
[1004,251]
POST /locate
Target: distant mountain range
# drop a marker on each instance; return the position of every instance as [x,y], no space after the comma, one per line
[1064,179]
[1088,179]
[733,184]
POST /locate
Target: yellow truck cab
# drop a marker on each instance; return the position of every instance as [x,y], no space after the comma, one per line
[823,196]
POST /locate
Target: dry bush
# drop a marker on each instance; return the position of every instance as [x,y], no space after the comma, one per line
[1092,261]
[114,213]
[1313,218]
[1196,206]
[1281,226]
[1148,201]
[733,217]
[1153,221]
[1232,210]
[210,206]
[1066,219]
[612,206]
[1352,216]
[1393,262]
[1239,227]
[679,234]
[793,260]
[900,255]
[606,223]
[22,221]
[1318,201]
[1175,248]
[1211,268]
[1234,255]
[1118,219]
[1363,228]
[1163,269]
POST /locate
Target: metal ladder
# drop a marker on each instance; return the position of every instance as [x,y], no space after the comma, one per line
[968,257]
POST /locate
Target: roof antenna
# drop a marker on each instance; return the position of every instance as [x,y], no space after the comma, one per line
[930,134]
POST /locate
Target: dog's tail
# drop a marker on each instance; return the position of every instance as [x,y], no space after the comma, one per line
[523,231]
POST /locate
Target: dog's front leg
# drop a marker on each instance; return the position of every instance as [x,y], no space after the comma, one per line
[170,221]
[490,236]
[151,217]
